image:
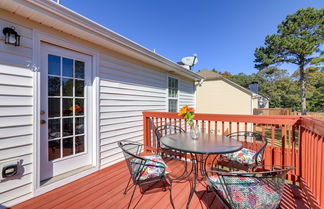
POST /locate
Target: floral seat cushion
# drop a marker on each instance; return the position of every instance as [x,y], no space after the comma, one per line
[246,192]
[154,167]
[244,156]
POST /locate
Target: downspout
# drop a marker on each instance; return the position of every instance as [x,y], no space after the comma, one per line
[196,85]
[200,82]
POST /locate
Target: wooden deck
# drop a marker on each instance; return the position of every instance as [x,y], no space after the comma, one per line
[104,189]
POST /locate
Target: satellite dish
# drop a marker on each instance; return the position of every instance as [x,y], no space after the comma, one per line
[190,61]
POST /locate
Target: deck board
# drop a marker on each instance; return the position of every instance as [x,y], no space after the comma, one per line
[104,189]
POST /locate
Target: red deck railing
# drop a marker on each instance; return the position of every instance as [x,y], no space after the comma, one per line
[293,140]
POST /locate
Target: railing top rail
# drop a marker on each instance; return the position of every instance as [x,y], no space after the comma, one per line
[259,119]
[313,124]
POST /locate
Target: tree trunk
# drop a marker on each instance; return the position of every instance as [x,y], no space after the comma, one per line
[302,88]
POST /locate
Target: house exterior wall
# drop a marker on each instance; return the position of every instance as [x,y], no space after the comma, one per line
[219,97]
[16,112]
[255,102]
[126,87]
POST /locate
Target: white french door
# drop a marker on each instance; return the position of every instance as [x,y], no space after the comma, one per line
[65,144]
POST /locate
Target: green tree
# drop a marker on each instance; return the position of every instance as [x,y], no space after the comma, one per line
[314,78]
[297,41]
[279,87]
[243,79]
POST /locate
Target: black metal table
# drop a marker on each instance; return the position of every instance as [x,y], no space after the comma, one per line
[202,147]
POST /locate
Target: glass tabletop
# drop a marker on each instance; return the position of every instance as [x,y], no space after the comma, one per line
[205,144]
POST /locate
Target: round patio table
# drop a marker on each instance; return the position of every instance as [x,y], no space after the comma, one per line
[206,144]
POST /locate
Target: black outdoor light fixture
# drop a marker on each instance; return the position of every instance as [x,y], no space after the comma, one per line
[11,36]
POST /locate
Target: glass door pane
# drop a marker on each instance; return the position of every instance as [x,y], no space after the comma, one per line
[66,107]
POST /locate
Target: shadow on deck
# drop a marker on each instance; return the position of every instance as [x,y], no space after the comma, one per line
[104,189]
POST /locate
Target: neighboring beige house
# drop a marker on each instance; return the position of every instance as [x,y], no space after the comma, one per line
[219,95]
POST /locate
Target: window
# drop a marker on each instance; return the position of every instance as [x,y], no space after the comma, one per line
[173,94]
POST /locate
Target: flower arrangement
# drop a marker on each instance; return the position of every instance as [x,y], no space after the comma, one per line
[188,114]
[76,107]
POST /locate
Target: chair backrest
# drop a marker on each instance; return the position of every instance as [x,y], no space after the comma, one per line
[166,130]
[249,136]
[263,188]
[131,151]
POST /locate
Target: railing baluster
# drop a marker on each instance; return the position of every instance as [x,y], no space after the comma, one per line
[283,140]
[293,159]
[203,126]
[216,128]
[223,128]
[230,127]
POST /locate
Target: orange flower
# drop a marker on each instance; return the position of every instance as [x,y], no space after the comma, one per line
[187,113]
[183,110]
[77,108]
[190,110]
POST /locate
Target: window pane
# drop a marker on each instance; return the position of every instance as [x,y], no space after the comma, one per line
[79,106]
[53,86]
[54,65]
[79,88]
[173,105]
[79,69]
[79,144]
[79,125]
[67,147]
[67,126]
[67,107]
[67,87]
[54,128]
[53,107]
[67,67]
[54,149]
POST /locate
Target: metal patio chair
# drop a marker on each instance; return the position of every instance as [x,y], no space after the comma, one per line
[244,159]
[143,169]
[166,130]
[262,189]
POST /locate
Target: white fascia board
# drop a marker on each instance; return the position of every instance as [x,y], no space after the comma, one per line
[61,18]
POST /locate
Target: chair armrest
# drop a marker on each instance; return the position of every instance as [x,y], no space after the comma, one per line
[261,151]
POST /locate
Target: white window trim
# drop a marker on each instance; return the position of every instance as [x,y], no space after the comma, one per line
[167,92]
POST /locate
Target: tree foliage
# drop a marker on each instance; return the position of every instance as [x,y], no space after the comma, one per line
[297,41]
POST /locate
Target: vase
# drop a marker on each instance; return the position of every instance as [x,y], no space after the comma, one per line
[194,131]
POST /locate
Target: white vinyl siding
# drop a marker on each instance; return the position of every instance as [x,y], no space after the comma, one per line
[127,88]
[187,93]
[16,113]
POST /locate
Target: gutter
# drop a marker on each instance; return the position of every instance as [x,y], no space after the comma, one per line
[109,39]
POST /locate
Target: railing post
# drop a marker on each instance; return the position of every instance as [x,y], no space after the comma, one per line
[146,131]
[301,152]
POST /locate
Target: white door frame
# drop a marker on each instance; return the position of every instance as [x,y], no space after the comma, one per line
[39,37]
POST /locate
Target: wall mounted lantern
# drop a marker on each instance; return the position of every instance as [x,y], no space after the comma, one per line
[11,36]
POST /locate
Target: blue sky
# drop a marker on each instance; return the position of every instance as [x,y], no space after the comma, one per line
[224,33]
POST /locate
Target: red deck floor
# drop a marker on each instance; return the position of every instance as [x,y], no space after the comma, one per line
[104,189]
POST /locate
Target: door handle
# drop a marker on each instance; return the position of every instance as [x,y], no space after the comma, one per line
[42,122]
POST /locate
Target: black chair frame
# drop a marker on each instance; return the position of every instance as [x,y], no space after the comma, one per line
[276,172]
[258,154]
[159,133]
[142,163]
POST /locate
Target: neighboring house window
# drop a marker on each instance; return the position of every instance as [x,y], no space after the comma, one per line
[173,94]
